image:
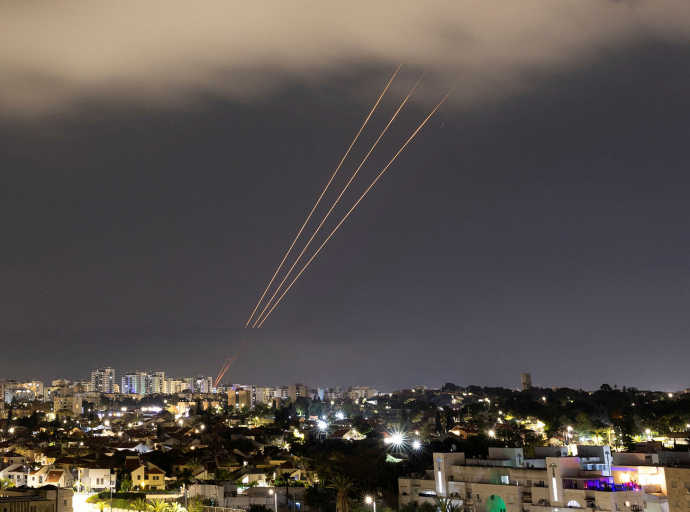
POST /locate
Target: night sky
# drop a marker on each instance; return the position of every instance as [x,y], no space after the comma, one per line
[155,166]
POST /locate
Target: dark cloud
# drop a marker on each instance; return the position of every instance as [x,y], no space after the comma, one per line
[175,53]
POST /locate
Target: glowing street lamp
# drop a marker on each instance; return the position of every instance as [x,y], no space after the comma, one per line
[340,415]
[370,501]
[397,439]
[416,444]
[275,499]
[322,425]
[492,433]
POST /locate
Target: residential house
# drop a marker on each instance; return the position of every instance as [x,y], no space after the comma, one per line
[17,473]
[149,476]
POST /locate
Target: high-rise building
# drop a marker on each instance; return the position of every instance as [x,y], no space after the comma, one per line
[296,391]
[136,383]
[240,398]
[103,380]
[202,384]
[157,382]
[526,379]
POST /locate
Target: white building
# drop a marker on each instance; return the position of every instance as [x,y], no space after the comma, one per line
[103,380]
[508,482]
[136,383]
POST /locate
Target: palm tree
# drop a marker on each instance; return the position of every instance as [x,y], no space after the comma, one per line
[126,485]
[22,450]
[230,461]
[139,504]
[176,507]
[6,483]
[100,505]
[342,485]
[445,505]
[158,506]
[195,463]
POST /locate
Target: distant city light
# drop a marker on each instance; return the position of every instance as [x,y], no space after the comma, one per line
[416,444]
[322,425]
[340,415]
[492,433]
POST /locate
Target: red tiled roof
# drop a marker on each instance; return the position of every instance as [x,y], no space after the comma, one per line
[54,476]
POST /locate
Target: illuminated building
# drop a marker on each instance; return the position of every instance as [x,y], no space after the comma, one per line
[103,380]
[508,482]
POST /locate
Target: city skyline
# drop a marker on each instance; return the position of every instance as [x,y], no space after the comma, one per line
[538,220]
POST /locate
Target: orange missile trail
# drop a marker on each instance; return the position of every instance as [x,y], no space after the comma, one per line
[229,361]
[321,196]
[355,205]
[221,370]
[336,202]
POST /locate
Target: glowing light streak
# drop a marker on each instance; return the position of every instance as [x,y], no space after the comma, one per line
[347,185]
[321,197]
[355,205]
[229,361]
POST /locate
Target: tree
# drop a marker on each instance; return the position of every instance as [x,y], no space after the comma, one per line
[318,500]
[100,505]
[196,504]
[6,483]
[230,460]
[256,507]
[445,505]
[221,474]
[157,506]
[175,507]
[139,504]
[342,485]
[439,425]
[126,485]
[195,463]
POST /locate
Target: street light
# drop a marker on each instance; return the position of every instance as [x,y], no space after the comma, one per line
[370,501]
[275,499]
[416,444]
[492,433]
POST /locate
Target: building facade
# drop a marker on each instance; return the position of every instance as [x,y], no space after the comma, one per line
[103,380]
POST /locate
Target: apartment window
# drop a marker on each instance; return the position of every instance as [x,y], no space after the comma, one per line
[675,503]
[65,503]
[674,485]
[138,477]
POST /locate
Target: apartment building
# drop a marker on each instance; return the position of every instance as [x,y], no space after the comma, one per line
[240,398]
[297,390]
[359,392]
[137,383]
[103,381]
[67,405]
[507,481]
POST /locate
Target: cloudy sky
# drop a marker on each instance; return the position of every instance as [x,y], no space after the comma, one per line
[157,159]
